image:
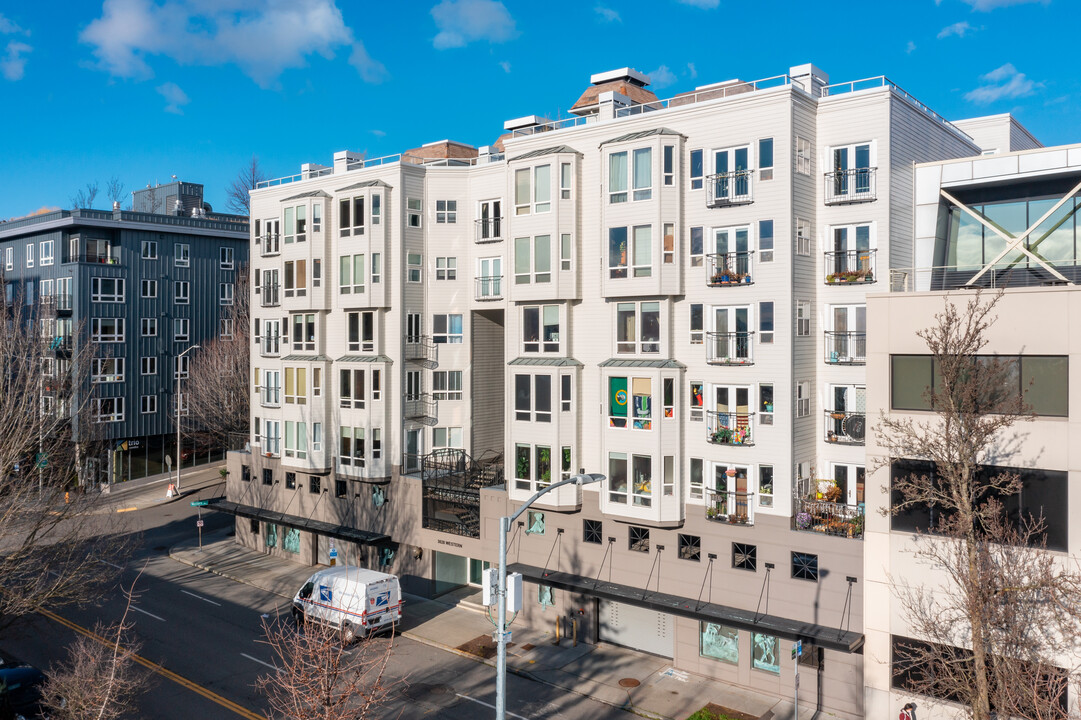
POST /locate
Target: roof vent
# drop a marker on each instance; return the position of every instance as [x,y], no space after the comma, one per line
[629,75]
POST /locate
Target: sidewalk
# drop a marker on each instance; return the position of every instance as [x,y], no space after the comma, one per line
[594,671]
[149,491]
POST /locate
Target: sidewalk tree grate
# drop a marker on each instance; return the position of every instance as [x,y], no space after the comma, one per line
[629,683]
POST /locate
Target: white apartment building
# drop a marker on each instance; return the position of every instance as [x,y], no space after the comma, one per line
[669,292]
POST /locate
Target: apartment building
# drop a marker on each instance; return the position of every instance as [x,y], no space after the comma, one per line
[1006,222]
[668,292]
[141,286]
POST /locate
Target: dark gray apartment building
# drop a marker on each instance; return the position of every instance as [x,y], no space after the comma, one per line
[141,286]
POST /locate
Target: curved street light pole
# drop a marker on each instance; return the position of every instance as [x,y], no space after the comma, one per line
[178,376]
[501,624]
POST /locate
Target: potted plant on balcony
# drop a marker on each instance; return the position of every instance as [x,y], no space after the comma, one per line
[833,494]
[711,513]
[803,520]
[831,278]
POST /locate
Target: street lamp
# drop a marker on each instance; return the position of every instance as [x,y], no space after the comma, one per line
[178,377]
[501,590]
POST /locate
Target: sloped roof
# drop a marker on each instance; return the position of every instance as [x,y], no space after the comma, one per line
[643,134]
[546,361]
[546,151]
[364,359]
[311,193]
[366,183]
[306,358]
[663,364]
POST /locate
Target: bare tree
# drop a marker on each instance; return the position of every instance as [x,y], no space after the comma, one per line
[1004,610]
[238,199]
[114,189]
[319,678]
[56,546]
[218,387]
[84,197]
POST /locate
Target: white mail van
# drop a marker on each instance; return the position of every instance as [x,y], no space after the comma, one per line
[354,600]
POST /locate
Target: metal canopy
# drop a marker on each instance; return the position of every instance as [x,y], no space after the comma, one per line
[642,134]
[558,149]
[664,364]
[364,184]
[340,532]
[545,361]
[364,359]
[312,193]
[820,635]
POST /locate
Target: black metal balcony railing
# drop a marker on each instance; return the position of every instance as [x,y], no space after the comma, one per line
[421,349]
[732,268]
[490,288]
[270,244]
[419,407]
[61,344]
[730,428]
[850,266]
[95,259]
[828,518]
[269,345]
[729,188]
[54,304]
[732,507]
[489,230]
[846,348]
[734,348]
[846,428]
[269,296]
[850,186]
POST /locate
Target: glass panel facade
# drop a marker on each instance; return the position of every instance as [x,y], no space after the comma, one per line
[719,642]
[764,653]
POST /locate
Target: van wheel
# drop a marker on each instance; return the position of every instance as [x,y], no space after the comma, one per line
[298,617]
[349,635]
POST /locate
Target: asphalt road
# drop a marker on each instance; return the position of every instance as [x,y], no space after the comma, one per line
[203,633]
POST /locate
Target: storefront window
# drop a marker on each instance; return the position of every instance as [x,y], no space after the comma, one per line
[764,650]
[719,642]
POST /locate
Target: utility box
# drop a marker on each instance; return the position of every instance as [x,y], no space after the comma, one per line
[490,587]
[514,592]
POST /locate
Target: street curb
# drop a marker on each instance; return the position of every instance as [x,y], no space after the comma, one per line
[447,648]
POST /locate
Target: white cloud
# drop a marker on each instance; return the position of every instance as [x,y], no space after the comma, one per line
[692,71]
[910,48]
[958,28]
[460,22]
[174,97]
[8,27]
[704,4]
[379,133]
[1002,82]
[661,77]
[607,14]
[989,5]
[262,39]
[13,62]
[505,65]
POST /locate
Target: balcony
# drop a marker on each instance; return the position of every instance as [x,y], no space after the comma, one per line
[55,304]
[489,288]
[269,345]
[828,518]
[730,507]
[269,297]
[421,349]
[729,428]
[451,482]
[846,348]
[845,428]
[61,344]
[270,396]
[269,244]
[95,259]
[729,188]
[850,267]
[732,268]
[735,348]
[419,407]
[850,186]
[489,230]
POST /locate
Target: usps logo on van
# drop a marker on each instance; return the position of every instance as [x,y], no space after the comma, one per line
[382,600]
[325,594]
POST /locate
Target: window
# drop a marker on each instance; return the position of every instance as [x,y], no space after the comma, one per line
[377,443]
[532,259]
[30,255]
[637,538]
[110,290]
[225,258]
[46,256]
[565,251]
[447,437]
[271,387]
[272,437]
[107,410]
[103,370]
[446,268]
[181,329]
[696,169]
[565,393]
[540,328]
[719,642]
[533,397]
[148,365]
[638,327]
[225,293]
[350,274]
[181,292]
[592,532]
[697,332]
[290,481]
[765,486]
[148,327]
[690,547]
[296,385]
[351,216]
[803,399]
[641,250]
[765,240]
[642,480]
[696,400]
[226,329]
[696,247]
[377,270]
[803,237]
[669,165]
[804,566]
[803,156]
[695,484]
[565,181]
[181,366]
[148,404]
[641,402]
[360,331]
[268,476]
[296,279]
[446,211]
[149,288]
[296,439]
[414,208]
[764,653]
[765,322]
[447,329]
[765,159]
[104,330]
[803,318]
[149,250]
[377,208]
[413,265]
[181,254]
[376,385]
[351,446]
[765,403]
[641,176]
[534,522]
[744,557]
[447,385]
[9,258]
[314,484]
[351,388]
[304,332]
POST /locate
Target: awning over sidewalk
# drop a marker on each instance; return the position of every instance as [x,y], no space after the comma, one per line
[820,635]
[339,532]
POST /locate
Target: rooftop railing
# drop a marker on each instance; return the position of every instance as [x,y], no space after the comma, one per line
[386,160]
[883,81]
[707,93]
[550,125]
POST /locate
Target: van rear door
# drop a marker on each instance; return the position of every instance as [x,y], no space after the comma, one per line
[384,602]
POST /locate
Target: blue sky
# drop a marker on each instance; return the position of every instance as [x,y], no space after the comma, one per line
[145,89]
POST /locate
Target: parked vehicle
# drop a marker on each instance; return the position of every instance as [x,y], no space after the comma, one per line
[20,691]
[356,601]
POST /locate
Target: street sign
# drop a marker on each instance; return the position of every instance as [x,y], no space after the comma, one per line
[200,503]
[198,523]
[333,553]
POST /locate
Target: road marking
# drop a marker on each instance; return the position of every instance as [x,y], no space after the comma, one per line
[154,667]
[144,612]
[127,509]
[278,669]
[200,597]
[489,705]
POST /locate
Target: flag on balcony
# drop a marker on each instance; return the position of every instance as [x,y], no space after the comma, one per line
[617,401]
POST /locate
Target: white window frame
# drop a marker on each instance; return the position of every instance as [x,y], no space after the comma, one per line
[45,256]
[99,295]
[181,367]
[181,292]
[541,345]
[148,327]
[414,212]
[566,179]
[225,294]
[532,274]
[353,228]
[106,370]
[535,203]
[803,398]
[803,318]
[30,255]
[148,365]
[804,237]
[532,413]
[446,268]
[448,337]
[148,404]
[804,155]
[117,409]
[226,260]
[446,212]
[415,267]
[630,192]
[9,258]
[447,385]
[641,346]
[149,250]
[227,329]
[696,182]
[181,255]
[98,335]
[362,343]
[181,329]
[149,288]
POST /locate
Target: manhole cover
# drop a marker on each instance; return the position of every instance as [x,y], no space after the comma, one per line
[629,683]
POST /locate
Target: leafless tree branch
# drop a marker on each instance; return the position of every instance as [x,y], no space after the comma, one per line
[238,199]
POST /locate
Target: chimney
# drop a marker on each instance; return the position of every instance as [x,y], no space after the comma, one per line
[810,78]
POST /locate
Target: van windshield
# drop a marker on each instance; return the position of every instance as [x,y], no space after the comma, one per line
[306,591]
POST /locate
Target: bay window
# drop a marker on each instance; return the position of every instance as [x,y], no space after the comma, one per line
[351,447]
[360,331]
[533,259]
[638,327]
[540,328]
